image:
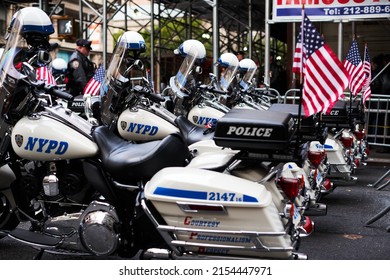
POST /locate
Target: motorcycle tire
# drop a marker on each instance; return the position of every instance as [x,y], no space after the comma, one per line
[8,219]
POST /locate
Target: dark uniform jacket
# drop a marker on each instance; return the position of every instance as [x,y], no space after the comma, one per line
[80,71]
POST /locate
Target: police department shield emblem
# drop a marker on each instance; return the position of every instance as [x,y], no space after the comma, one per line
[18,140]
[195,119]
[75,64]
[123,125]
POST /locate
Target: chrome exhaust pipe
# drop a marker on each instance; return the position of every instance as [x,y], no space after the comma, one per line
[300,256]
[156,253]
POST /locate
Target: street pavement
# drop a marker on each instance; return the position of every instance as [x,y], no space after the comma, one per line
[343,234]
[340,235]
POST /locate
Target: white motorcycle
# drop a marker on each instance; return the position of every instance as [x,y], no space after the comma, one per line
[126,197]
[346,146]
[135,113]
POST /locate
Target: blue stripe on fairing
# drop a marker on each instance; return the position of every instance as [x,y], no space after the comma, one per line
[247,198]
[193,194]
[181,193]
[328,146]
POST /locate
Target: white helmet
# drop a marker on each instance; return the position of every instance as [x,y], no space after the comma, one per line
[192,47]
[132,40]
[32,20]
[247,64]
[59,66]
[230,62]
[127,50]
[248,69]
[33,26]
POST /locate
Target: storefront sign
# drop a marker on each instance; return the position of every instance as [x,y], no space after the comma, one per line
[329,10]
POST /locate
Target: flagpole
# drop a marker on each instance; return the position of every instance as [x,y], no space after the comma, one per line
[362,91]
[351,97]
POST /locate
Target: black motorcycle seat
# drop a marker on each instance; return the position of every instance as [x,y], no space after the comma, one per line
[192,133]
[129,162]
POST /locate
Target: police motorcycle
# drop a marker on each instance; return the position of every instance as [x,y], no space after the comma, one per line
[132,114]
[136,115]
[245,94]
[202,104]
[133,125]
[346,146]
[125,197]
[120,107]
[312,130]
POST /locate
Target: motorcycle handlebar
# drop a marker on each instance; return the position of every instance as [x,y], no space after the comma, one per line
[211,89]
[58,93]
[156,97]
[153,96]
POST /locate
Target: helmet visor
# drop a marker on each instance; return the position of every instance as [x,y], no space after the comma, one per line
[247,78]
[10,64]
[227,76]
[123,72]
[183,81]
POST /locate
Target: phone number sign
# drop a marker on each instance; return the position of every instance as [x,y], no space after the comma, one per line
[327,10]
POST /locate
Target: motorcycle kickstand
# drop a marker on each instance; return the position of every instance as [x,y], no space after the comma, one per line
[39,255]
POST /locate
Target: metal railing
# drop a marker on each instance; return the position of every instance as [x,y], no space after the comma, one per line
[377,120]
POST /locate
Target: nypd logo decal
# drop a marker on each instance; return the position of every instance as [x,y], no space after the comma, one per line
[139,128]
[42,145]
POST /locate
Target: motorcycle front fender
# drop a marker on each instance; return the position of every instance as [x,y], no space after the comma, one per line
[7,177]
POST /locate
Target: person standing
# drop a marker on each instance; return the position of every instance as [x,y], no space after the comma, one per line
[240,55]
[80,68]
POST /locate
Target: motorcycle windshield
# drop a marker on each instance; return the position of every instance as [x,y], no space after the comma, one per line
[123,72]
[10,65]
[227,77]
[113,76]
[183,82]
[247,78]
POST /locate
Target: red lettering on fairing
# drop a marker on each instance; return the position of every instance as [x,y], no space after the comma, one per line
[187,220]
[193,235]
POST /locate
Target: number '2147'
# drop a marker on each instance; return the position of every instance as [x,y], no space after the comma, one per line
[221,196]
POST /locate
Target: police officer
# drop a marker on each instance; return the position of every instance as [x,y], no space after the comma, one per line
[80,68]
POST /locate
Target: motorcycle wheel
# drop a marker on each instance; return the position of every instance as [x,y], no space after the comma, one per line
[8,219]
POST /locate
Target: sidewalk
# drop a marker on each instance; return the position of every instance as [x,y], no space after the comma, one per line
[377,157]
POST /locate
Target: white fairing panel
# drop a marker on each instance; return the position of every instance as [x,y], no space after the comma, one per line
[47,139]
[141,125]
[334,152]
[239,205]
[242,106]
[204,116]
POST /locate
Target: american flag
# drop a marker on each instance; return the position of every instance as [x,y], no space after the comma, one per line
[354,65]
[367,71]
[44,74]
[93,86]
[324,76]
